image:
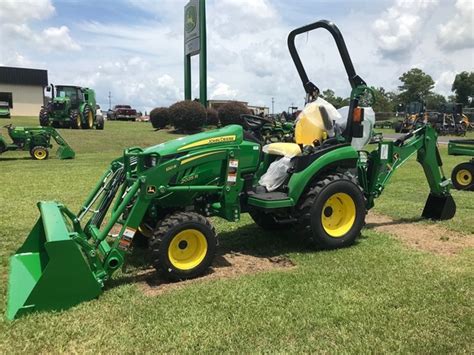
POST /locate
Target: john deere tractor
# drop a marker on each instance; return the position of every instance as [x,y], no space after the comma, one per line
[166,192]
[36,140]
[71,106]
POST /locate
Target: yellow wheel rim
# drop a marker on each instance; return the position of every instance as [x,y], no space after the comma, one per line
[40,154]
[90,119]
[187,249]
[78,120]
[338,214]
[464,177]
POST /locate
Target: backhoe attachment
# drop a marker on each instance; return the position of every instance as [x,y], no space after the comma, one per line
[377,167]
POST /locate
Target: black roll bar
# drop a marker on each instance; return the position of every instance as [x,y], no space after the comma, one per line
[310,88]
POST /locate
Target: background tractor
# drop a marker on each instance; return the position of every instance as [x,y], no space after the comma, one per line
[415,113]
[451,120]
[462,175]
[71,106]
[36,140]
[166,192]
[4,109]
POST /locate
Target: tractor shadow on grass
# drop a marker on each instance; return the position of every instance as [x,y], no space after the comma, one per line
[15,159]
[246,250]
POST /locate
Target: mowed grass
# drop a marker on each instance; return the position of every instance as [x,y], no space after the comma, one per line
[377,296]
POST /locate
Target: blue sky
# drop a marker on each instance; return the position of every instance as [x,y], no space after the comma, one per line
[134,48]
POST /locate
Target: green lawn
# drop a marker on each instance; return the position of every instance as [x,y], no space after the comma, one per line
[377,296]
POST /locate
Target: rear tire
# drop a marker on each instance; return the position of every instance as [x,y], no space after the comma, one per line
[75,119]
[39,153]
[463,177]
[333,212]
[44,117]
[183,246]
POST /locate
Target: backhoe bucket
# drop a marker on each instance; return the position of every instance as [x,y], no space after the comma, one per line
[49,271]
[439,207]
[65,152]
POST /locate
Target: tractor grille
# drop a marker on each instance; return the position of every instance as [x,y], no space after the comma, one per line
[58,106]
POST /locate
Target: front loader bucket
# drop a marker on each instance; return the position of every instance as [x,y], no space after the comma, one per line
[65,152]
[49,271]
[439,207]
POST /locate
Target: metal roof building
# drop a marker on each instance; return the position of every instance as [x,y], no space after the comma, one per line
[23,89]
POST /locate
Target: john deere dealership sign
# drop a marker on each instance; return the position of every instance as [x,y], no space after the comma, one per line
[191,28]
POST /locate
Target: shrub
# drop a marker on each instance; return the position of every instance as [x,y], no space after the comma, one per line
[212,117]
[230,112]
[187,116]
[160,117]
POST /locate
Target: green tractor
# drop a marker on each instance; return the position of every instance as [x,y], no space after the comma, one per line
[462,175]
[36,140]
[71,106]
[166,192]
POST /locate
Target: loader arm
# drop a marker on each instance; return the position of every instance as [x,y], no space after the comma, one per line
[65,151]
[377,167]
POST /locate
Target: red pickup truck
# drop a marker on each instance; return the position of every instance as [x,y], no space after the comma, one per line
[122,113]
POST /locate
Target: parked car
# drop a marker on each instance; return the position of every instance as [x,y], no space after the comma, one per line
[122,113]
[4,109]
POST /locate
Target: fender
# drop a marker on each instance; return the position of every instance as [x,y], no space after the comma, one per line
[345,156]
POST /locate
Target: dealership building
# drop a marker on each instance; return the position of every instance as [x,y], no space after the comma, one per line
[23,89]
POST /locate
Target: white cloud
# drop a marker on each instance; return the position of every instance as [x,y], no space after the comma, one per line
[398,29]
[16,20]
[57,38]
[458,32]
[444,82]
[14,11]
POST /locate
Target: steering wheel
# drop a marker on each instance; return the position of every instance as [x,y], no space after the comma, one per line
[254,123]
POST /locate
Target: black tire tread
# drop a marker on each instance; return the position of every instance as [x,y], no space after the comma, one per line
[168,223]
[311,195]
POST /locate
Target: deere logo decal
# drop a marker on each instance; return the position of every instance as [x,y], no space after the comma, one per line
[151,189]
[190,19]
[222,139]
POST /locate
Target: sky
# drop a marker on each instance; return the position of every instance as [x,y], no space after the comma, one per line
[134,48]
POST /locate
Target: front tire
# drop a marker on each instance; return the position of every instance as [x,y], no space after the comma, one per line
[75,119]
[39,153]
[333,212]
[44,117]
[463,177]
[183,246]
[88,115]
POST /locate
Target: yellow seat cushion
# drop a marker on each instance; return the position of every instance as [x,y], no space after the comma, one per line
[283,149]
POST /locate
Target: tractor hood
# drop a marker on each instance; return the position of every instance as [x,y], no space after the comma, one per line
[229,135]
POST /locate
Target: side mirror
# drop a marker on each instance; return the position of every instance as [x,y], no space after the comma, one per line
[48,88]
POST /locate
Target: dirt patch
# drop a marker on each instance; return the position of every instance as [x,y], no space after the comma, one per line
[428,237]
[228,265]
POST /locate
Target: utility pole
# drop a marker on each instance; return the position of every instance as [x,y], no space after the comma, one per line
[273,105]
[110,100]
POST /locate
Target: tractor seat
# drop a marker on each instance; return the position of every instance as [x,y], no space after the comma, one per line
[283,149]
[312,127]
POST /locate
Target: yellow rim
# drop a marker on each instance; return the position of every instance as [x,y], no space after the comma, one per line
[90,119]
[39,154]
[187,249]
[78,120]
[338,214]
[464,177]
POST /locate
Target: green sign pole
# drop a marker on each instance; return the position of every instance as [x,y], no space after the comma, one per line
[195,43]
[203,54]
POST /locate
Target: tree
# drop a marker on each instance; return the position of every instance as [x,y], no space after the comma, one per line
[337,101]
[463,86]
[187,116]
[384,101]
[417,85]
[160,117]
[434,101]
